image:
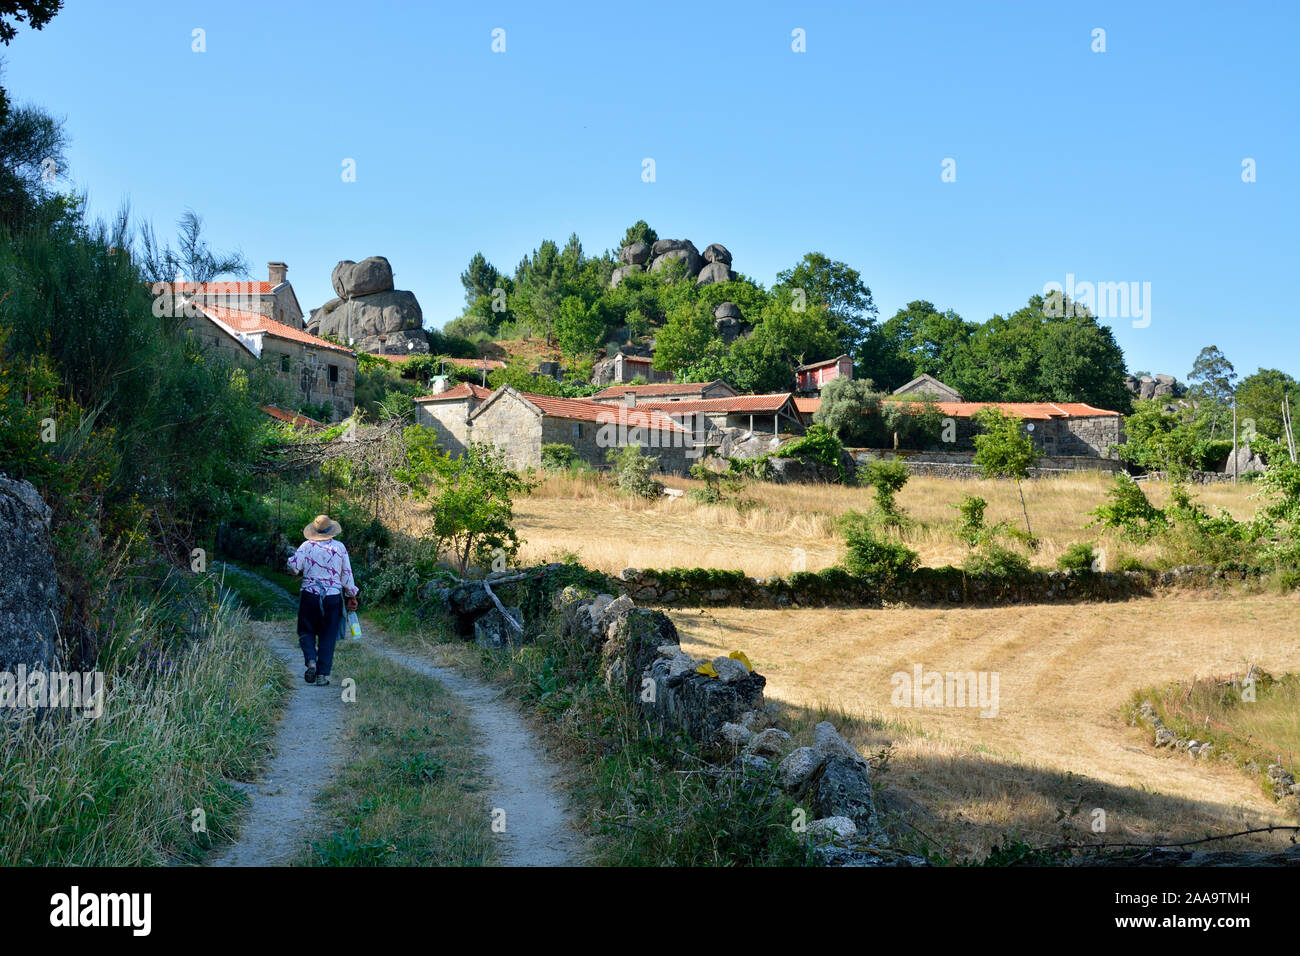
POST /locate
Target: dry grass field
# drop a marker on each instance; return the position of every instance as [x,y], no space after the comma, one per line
[1066,673]
[606,530]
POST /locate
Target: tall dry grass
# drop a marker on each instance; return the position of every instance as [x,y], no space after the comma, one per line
[119,790]
[583,515]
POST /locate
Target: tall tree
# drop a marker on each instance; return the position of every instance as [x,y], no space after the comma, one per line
[917,339]
[1260,397]
[479,278]
[193,259]
[850,309]
[639,231]
[32,145]
[1211,382]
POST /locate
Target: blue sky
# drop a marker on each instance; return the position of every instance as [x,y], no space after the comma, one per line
[1122,166]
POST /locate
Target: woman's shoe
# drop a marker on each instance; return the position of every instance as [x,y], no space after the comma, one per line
[309,675]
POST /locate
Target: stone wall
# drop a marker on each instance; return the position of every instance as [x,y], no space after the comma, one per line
[702,587]
[449,419]
[961,464]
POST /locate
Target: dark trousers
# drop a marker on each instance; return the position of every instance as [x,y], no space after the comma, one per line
[320,620]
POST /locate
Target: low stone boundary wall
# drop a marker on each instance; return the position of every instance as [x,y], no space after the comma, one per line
[719,704]
[962,465]
[833,587]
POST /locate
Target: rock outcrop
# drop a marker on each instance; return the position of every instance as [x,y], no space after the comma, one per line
[1157,386]
[368,307]
[29,586]
[714,265]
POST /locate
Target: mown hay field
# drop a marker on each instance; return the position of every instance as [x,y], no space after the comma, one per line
[792,527]
[1066,673]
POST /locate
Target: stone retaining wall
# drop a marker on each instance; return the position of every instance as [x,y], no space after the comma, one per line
[707,587]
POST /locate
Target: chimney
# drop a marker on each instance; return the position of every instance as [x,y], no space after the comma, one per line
[275,272]
[629,398]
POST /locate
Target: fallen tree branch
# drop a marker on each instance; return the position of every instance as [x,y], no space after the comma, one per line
[1171,846]
[502,608]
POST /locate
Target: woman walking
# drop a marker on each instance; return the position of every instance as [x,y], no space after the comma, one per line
[327,586]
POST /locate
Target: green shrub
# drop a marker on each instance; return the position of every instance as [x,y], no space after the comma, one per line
[632,470]
[1079,556]
[557,456]
[888,479]
[1128,511]
[970,521]
[873,557]
[993,560]
[819,445]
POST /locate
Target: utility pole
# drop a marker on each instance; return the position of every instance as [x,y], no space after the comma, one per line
[1234,439]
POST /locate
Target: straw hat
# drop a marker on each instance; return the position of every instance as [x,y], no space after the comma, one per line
[322,529]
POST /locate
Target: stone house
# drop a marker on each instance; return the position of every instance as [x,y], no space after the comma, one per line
[273,299]
[315,370]
[665,392]
[810,378]
[1059,429]
[520,424]
[929,385]
[750,413]
[447,412]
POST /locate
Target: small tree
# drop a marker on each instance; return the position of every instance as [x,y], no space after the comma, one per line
[631,470]
[1004,450]
[473,504]
[888,478]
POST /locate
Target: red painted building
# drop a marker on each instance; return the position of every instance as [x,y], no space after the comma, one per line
[811,378]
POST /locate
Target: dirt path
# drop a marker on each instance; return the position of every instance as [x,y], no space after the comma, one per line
[535,829]
[524,784]
[308,751]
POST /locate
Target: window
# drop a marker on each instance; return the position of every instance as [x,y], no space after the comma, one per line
[334,374]
[284,363]
[577,431]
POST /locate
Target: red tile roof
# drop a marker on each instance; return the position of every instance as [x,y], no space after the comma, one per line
[252,322]
[806,405]
[477,363]
[1034,410]
[234,287]
[297,419]
[1039,411]
[661,388]
[813,365]
[463,390]
[731,404]
[585,410]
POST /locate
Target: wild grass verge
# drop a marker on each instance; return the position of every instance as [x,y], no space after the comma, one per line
[179,721]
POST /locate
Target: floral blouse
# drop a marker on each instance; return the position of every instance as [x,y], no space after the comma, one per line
[324,567]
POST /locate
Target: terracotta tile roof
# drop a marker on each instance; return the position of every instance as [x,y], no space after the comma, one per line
[297,419]
[731,404]
[478,363]
[806,405]
[585,410]
[251,322]
[463,390]
[661,388]
[233,287]
[813,365]
[1039,411]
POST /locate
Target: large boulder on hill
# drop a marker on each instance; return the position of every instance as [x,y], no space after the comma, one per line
[717,252]
[663,246]
[395,314]
[29,586]
[635,254]
[727,310]
[351,279]
[620,273]
[714,272]
[688,256]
